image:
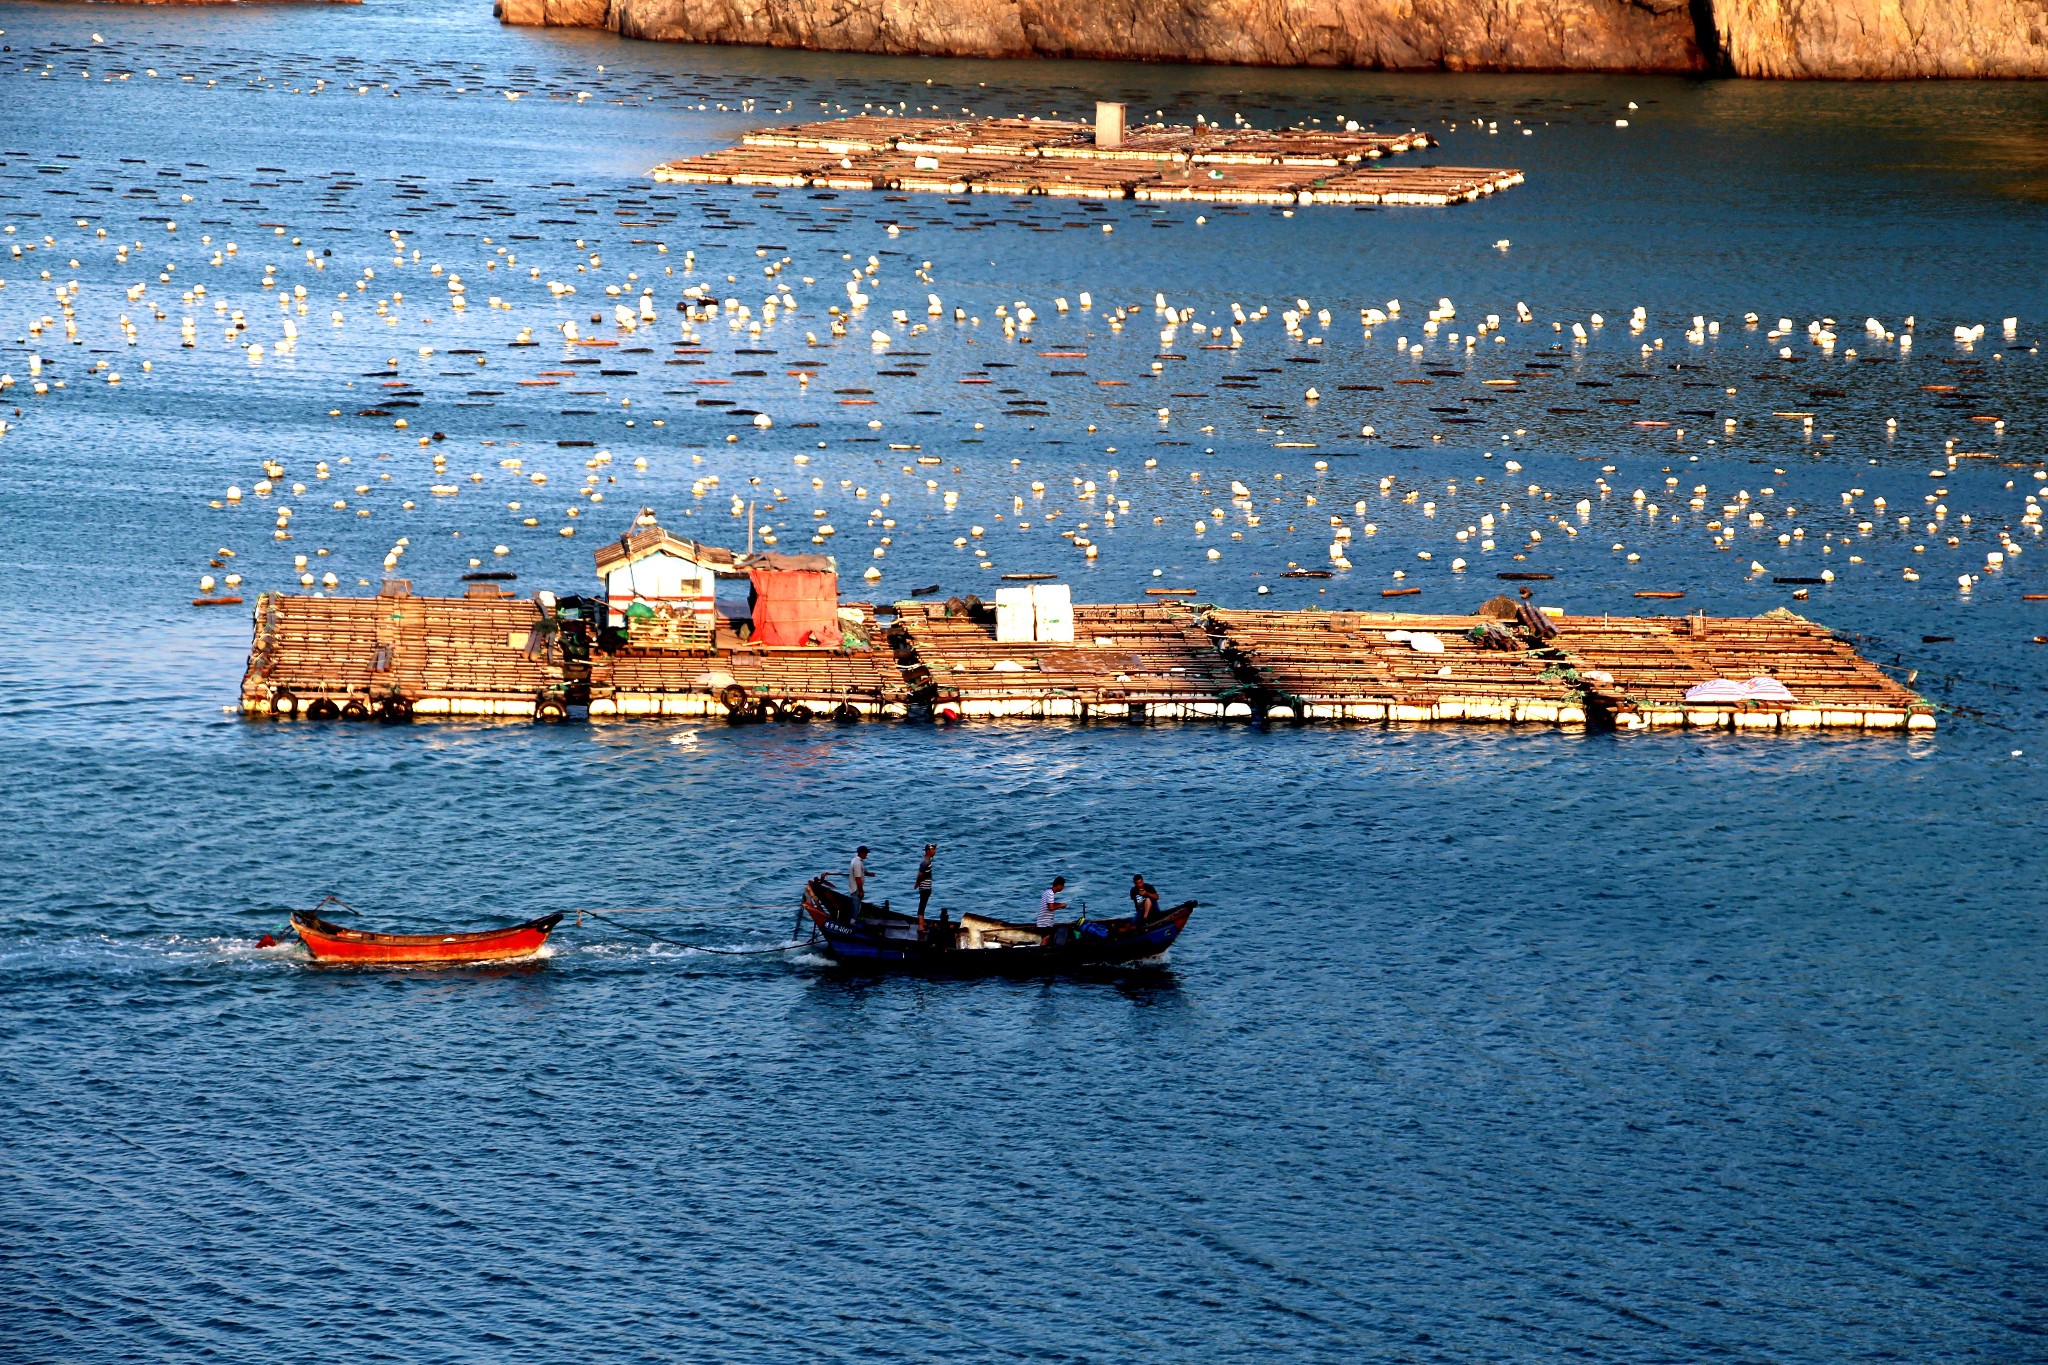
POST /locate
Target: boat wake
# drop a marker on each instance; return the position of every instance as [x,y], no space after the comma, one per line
[106,953]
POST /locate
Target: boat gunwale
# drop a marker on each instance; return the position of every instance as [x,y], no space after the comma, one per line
[304,920]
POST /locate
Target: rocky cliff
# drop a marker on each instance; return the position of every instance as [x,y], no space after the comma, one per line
[1882,39]
[1846,39]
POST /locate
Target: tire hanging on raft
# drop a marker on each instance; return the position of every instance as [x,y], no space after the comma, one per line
[323,709]
[395,711]
[796,711]
[284,704]
[550,710]
[733,698]
[354,709]
[845,712]
[770,709]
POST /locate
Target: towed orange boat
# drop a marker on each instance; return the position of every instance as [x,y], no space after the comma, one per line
[333,944]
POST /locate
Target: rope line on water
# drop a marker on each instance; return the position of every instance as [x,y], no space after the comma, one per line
[683,909]
[604,918]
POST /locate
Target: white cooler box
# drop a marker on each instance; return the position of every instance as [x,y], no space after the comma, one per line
[1052,604]
[1016,624]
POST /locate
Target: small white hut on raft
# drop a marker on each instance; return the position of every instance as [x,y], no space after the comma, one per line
[663,590]
[663,574]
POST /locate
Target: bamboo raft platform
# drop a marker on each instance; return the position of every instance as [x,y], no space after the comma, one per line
[1157,162]
[777,683]
[1654,660]
[1343,666]
[1149,662]
[397,657]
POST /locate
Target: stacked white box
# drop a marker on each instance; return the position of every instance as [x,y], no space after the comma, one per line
[1052,606]
[1016,622]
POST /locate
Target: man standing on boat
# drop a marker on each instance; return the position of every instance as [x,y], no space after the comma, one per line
[924,885]
[857,878]
[1050,904]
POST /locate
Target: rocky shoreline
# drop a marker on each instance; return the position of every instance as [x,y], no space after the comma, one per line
[223,4]
[1775,39]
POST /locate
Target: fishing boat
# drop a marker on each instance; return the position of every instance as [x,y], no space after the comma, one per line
[333,944]
[878,936]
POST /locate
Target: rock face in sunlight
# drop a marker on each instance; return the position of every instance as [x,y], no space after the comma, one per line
[1883,39]
[556,13]
[1855,39]
[1594,35]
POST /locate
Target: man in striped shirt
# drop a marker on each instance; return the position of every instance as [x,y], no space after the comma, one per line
[1050,904]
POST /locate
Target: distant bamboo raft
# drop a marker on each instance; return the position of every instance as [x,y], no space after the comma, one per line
[1158,162]
[400,657]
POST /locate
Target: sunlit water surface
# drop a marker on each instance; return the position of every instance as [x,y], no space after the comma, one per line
[1484,1044]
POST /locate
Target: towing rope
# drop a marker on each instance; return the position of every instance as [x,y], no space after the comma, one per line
[683,909]
[604,918]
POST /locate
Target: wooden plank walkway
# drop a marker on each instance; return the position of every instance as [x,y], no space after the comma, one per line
[399,656]
[1161,162]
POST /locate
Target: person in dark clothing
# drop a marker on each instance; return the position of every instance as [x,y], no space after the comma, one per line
[924,884]
[1144,899]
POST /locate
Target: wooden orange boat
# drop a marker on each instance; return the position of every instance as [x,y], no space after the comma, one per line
[332,944]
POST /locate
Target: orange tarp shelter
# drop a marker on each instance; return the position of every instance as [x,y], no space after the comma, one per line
[795,600]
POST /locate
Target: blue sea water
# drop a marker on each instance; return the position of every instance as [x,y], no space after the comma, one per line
[1485,1043]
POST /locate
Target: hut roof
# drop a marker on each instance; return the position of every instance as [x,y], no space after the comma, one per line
[646,541]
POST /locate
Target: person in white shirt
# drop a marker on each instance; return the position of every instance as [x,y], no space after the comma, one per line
[857,878]
[1050,904]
